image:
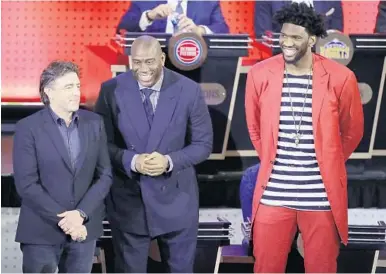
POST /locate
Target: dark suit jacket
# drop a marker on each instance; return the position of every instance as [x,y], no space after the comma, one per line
[181,129]
[265,10]
[206,13]
[48,185]
[380,25]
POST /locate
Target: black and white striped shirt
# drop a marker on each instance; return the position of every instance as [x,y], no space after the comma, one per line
[295,181]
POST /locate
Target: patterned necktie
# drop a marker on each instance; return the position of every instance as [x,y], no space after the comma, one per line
[148,105]
[177,12]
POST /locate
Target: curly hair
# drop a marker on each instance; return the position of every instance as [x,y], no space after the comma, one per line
[54,70]
[303,15]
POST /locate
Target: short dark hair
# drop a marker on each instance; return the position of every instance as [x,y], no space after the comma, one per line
[304,15]
[52,72]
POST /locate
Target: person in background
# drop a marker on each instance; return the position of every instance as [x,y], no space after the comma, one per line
[158,127]
[264,11]
[62,173]
[305,118]
[380,25]
[174,16]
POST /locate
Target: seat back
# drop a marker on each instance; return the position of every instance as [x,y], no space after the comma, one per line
[247,187]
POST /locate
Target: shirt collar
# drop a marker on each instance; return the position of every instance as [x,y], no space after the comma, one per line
[157,86]
[60,121]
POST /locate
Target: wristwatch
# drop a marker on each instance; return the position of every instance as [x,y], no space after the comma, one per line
[82,214]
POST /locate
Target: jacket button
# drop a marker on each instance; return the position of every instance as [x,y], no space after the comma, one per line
[263,186]
[272,162]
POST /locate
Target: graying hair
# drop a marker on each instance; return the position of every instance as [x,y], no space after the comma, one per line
[54,70]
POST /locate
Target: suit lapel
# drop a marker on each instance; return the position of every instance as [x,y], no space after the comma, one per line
[192,7]
[83,138]
[164,111]
[56,138]
[319,86]
[129,101]
[276,87]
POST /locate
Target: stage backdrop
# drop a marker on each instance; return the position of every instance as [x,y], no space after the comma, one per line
[37,32]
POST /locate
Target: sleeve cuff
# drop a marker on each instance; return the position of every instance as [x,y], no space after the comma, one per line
[207,30]
[170,163]
[127,160]
[83,215]
[144,22]
[133,163]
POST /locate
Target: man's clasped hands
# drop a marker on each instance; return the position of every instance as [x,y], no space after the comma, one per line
[153,164]
[185,24]
[72,224]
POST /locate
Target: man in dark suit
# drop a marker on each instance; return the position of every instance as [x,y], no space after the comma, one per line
[380,25]
[264,11]
[62,173]
[172,16]
[158,127]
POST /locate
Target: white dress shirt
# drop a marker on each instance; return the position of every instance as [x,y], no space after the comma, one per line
[144,22]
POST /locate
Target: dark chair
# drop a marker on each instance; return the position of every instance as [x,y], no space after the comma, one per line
[247,187]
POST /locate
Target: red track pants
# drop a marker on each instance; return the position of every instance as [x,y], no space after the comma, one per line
[273,233]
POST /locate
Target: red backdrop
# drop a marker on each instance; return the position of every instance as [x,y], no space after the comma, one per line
[35,33]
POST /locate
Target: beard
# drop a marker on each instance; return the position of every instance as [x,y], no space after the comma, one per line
[299,53]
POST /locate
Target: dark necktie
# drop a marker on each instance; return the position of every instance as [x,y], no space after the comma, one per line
[179,9]
[177,12]
[148,105]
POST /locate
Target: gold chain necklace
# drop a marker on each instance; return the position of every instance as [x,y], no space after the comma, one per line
[297,136]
